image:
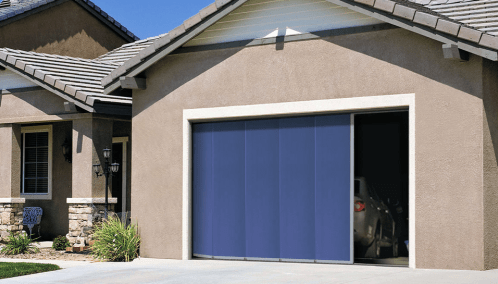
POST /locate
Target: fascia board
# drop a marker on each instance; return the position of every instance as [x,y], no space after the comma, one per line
[176,43]
[47,87]
[418,28]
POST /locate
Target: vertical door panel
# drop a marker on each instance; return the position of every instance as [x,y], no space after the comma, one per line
[229,189]
[202,190]
[262,189]
[333,205]
[297,188]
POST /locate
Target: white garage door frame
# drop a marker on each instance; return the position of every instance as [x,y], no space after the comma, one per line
[353,105]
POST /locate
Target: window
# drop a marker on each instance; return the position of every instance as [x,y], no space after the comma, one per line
[37,162]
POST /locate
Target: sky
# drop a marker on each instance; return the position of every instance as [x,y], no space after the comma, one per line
[147,18]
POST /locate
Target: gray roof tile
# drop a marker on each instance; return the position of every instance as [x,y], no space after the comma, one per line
[121,54]
[76,77]
[476,14]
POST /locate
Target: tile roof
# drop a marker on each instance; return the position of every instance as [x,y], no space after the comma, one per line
[4,3]
[121,54]
[12,8]
[77,78]
[474,21]
[478,14]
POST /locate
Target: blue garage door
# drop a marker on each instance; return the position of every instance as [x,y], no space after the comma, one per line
[276,189]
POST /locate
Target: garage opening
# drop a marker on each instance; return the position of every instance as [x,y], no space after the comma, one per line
[289,189]
[381,188]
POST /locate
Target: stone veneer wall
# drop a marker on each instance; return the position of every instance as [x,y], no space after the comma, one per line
[10,219]
[82,218]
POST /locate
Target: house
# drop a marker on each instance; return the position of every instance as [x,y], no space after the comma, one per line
[88,31]
[54,118]
[252,118]
[254,122]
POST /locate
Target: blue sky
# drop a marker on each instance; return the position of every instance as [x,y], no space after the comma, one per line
[147,18]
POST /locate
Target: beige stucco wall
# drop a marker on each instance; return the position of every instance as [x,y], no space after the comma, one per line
[448,142]
[29,104]
[90,137]
[82,35]
[490,154]
[10,154]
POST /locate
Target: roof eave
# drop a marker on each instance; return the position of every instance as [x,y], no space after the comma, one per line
[425,30]
[167,44]
[379,9]
[46,86]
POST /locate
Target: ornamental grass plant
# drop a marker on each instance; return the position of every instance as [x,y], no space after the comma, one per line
[115,241]
[19,243]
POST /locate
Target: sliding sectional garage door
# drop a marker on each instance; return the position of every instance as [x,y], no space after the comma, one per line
[276,189]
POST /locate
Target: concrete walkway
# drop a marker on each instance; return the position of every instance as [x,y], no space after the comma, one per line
[217,271]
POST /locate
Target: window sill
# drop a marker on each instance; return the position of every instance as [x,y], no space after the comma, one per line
[47,196]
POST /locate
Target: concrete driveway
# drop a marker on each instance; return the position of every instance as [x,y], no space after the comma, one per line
[217,271]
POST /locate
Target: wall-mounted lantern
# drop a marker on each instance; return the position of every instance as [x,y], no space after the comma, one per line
[66,150]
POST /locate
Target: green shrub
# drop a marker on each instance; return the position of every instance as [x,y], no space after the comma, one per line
[19,243]
[115,241]
[61,243]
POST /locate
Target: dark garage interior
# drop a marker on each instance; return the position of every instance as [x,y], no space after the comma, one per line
[381,158]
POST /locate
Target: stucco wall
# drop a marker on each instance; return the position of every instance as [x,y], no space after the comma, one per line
[55,211]
[67,29]
[490,154]
[449,127]
[10,157]
[31,103]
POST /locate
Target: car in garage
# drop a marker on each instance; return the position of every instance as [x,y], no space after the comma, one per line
[374,226]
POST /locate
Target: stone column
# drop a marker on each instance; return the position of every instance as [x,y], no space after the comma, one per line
[11,205]
[11,211]
[90,138]
[83,214]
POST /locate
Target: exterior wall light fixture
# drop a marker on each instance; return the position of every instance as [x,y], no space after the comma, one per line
[108,169]
[66,150]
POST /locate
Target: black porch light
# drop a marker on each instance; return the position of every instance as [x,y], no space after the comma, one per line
[107,153]
[107,171]
[114,167]
[66,150]
[96,169]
